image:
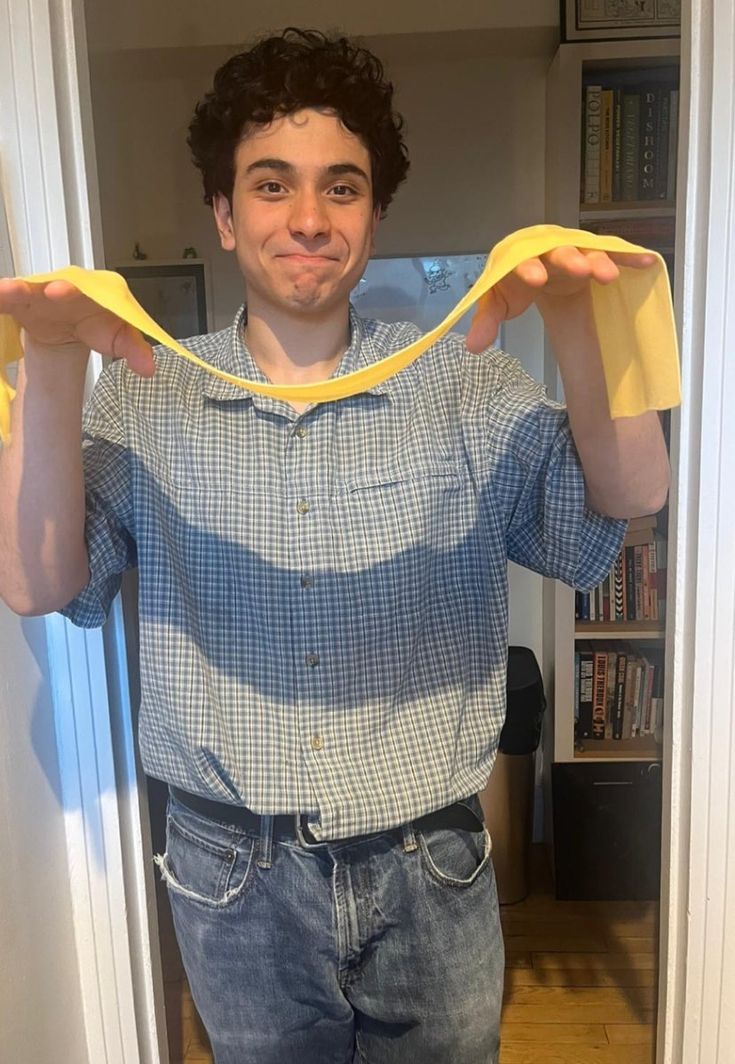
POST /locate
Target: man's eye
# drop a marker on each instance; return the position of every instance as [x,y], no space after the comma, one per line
[271,186]
[343,190]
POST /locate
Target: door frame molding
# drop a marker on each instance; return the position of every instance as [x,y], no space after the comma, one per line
[49,184]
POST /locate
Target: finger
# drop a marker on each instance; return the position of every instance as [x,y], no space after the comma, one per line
[532,272]
[635,260]
[602,268]
[129,343]
[485,323]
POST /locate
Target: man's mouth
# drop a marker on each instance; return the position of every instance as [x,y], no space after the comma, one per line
[301,257]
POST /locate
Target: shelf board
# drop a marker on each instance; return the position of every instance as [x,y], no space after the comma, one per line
[612,630]
[642,748]
[597,212]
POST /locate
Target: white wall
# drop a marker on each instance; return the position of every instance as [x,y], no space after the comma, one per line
[474,106]
[177,23]
[40,1008]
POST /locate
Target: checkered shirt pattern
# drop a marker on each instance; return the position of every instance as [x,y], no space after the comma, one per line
[323,596]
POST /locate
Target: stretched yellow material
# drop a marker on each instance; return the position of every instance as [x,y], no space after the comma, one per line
[633,315]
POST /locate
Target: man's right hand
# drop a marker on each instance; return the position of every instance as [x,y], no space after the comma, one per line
[56,316]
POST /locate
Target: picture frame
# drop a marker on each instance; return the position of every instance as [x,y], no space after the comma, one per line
[421,288]
[609,20]
[174,293]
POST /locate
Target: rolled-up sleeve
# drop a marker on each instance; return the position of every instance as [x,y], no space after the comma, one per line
[549,527]
[109,524]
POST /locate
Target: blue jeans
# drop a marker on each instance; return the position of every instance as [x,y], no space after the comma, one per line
[385,950]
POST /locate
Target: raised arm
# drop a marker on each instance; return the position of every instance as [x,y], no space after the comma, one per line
[43,555]
[624,461]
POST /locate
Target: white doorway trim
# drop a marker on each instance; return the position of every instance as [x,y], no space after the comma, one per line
[49,185]
[48,180]
[697,984]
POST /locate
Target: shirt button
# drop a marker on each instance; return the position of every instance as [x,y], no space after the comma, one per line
[317,743]
[312,660]
[307,581]
[303,506]
[301,431]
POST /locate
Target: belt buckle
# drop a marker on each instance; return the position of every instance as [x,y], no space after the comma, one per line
[303,834]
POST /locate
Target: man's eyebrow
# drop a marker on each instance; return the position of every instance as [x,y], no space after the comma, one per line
[283,167]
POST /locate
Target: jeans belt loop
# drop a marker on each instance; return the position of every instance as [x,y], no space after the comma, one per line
[409,839]
[265,843]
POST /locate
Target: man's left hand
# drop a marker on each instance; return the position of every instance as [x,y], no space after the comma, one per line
[552,282]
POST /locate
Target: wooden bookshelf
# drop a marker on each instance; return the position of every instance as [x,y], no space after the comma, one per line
[574,66]
[628,630]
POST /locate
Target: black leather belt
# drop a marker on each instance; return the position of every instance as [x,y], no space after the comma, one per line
[456,815]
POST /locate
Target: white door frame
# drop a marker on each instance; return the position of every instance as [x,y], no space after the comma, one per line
[49,182]
[697,983]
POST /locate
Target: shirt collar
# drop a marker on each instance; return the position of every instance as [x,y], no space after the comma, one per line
[234,357]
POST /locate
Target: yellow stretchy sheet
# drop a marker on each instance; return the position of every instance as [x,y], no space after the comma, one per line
[633,315]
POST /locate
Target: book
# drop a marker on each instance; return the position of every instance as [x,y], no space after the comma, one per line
[630,145]
[647,142]
[662,143]
[672,145]
[612,662]
[619,589]
[606,152]
[599,693]
[586,680]
[617,140]
[592,132]
[619,707]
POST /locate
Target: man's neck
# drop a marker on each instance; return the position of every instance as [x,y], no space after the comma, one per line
[297,348]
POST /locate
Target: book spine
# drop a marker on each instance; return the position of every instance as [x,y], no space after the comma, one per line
[635,727]
[638,581]
[599,694]
[576,693]
[646,582]
[628,698]
[619,589]
[612,661]
[593,122]
[586,680]
[617,145]
[648,698]
[631,140]
[606,158]
[621,667]
[629,584]
[672,146]
[647,145]
[653,570]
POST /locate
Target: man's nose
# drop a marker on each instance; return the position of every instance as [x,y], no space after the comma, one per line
[309,216]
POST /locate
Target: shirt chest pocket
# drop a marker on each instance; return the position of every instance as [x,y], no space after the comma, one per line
[382,513]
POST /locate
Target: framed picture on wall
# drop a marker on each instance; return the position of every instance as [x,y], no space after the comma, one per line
[173,293]
[421,289]
[606,20]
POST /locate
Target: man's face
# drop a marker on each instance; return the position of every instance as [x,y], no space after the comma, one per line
[302,219]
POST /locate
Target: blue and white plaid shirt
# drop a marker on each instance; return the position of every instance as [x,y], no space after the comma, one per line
[323,597]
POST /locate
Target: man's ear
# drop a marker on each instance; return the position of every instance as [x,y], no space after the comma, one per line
[223,221]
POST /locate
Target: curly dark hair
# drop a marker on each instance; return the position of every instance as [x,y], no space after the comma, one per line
[283,74]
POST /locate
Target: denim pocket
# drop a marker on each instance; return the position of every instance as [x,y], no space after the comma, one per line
[455,857]
[205,861]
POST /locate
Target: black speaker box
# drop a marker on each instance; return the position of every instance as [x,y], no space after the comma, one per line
[607,830]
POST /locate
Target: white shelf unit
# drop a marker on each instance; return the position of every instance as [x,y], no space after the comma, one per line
[563,165]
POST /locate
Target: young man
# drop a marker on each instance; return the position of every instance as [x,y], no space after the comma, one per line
[323,602]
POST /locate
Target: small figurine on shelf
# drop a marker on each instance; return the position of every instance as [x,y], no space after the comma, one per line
[190,253]
[137,253]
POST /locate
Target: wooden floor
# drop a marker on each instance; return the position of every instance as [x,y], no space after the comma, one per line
[580,982]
